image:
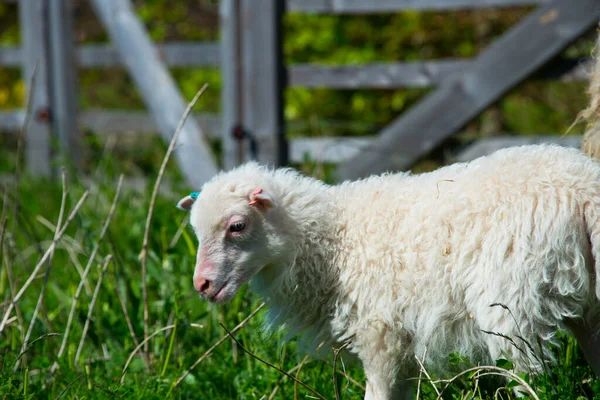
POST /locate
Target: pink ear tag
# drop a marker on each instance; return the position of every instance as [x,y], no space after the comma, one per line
[255,192]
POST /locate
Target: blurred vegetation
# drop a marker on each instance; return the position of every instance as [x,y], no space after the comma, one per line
[535,107]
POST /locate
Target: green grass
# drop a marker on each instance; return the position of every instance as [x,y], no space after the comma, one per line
[227,373]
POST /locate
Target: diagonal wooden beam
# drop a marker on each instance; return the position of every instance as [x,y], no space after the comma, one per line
[511,59]
[157,87]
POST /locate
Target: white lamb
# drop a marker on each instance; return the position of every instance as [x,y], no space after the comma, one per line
[401,263]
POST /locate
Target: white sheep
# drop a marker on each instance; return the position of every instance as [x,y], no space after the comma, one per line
[401,263]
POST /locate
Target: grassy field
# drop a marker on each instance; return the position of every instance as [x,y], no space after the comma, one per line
[107,359]
[100,343]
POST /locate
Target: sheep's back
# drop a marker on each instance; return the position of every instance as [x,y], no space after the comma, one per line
[440,248]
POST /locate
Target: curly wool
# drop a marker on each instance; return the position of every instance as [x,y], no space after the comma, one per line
[460,259]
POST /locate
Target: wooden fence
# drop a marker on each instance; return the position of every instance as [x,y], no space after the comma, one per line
[254,77]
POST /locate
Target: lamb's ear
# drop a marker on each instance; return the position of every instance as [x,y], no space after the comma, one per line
[186,203]
[261,198]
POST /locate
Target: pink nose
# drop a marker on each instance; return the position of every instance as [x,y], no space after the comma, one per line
[203,268]
[201,284]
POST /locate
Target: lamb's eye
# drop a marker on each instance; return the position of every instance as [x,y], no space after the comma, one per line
[237,226]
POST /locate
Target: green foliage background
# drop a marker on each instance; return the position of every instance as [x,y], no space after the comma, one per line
[533,108]
[536,107]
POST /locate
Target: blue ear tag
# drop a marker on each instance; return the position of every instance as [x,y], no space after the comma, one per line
[194,195]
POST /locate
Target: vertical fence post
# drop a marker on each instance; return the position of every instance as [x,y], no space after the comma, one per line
[63,80]
[231,71]
[264,78]
[34,52]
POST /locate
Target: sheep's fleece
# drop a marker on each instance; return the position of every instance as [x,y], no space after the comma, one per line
[404,265]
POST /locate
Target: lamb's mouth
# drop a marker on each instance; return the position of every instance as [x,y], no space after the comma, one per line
[215,298]
[222,295]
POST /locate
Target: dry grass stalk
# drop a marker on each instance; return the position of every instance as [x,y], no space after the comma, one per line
[336,353]
[125,312]
[179,232]
[298,376]
[137,348]
[295,369]
[217,344]
[268,364]
[47,274]
[66,389]
[438,186]
[73,256]
[87,270]
[161,172]
[122,298]
[491,371]
[497,392]
[350,379]
[3,223]
[2,230]
[12,288]
[423,370]
[44,336]
[20,139]
[93,360]
[91,308]
[4,201]
[43,260]
[67,240]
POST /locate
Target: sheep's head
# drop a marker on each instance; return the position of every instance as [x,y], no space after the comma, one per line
[238,225]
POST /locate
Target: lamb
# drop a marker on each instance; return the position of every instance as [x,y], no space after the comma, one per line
[399,263]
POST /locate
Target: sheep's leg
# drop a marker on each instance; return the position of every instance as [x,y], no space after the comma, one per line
[379,381]
[380,388]
[587,334]
[377,389]
[378,349]
[383,380]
